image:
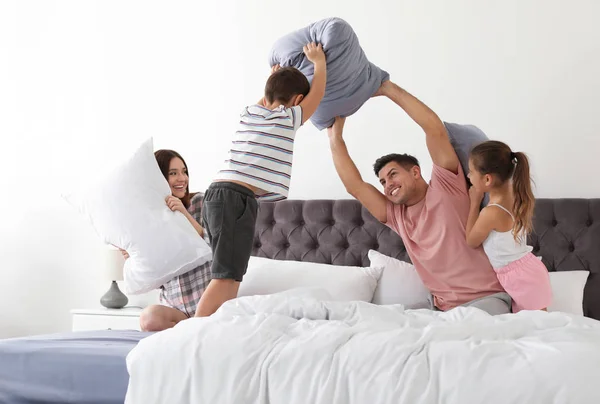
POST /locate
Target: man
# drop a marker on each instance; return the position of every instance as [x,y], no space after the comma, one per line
[430,218]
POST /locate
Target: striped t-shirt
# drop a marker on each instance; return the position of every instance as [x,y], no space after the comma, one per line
[262,150]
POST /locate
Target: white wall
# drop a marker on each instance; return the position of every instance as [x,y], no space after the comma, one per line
[81,81]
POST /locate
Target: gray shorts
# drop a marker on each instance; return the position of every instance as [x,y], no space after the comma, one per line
[229,218]
[498,303]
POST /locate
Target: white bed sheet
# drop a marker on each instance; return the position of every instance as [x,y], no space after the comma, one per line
[288,348]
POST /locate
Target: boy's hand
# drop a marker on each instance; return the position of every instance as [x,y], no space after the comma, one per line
[311,101]
[275,68]
[337,128]
[314,53]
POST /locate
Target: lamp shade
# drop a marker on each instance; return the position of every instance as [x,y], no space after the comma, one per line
[113,268]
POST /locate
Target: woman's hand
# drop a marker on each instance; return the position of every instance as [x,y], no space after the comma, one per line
[175,204]
[124,253]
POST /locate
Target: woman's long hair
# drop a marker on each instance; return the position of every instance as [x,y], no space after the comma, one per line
[496,158]
[163,158]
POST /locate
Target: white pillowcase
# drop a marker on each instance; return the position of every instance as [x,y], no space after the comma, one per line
[399,284]
[127,209]
[344,283]
[567,291]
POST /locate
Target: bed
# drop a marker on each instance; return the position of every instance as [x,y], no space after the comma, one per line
[72,367]
[55,368]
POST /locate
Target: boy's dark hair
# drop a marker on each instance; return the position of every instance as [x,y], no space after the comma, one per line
[405,160]
[286,83]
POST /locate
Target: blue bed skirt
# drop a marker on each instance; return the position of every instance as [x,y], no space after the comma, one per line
[85,367]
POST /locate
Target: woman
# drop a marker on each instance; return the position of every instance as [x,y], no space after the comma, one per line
[178,297]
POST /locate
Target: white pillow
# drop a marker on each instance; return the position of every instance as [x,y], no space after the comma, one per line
[344,283]
[399,284]
[126,207]
[567,291]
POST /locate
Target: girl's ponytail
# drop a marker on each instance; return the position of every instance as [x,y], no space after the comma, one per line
[523,195]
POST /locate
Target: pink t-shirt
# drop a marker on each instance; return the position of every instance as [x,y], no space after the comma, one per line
[433,232]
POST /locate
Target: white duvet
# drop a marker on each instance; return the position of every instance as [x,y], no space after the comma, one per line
[290,348]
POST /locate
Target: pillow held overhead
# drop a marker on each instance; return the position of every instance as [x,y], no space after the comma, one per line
[351,78]
[463,138]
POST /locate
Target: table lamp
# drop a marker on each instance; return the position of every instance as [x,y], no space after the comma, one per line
[114,298]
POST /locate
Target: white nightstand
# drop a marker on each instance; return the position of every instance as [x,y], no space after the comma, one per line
[106,319]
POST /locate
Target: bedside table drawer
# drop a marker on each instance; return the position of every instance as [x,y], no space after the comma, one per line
[89,322]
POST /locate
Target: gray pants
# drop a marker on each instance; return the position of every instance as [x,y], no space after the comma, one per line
[498,303]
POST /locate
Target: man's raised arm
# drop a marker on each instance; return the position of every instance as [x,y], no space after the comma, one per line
[367,194]
[438,143]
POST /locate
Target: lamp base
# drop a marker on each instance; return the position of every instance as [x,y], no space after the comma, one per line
[114,298]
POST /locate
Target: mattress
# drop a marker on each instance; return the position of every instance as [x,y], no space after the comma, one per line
[77,367]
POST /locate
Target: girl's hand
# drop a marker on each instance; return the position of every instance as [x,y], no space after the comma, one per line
[124,253]
[175,204]
[475,196]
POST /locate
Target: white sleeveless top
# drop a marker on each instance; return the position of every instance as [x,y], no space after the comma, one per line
[501,247]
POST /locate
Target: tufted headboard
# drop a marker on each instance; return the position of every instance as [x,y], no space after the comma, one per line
[341,232]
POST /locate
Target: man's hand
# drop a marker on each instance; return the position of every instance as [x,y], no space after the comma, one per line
[275,68]
[337,128]
[441,150]
[314,53]
[366,193]
[383,89]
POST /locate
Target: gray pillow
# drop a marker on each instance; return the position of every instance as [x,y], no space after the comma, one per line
[351,78]
[463,139]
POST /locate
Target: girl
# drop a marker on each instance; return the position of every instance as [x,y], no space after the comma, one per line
[502,227]
[180,296]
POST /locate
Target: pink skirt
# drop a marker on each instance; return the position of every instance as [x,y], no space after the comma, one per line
[527,282]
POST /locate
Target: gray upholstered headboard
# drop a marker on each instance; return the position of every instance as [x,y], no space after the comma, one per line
[341,232]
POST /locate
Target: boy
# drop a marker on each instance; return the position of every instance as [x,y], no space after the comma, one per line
[259,165]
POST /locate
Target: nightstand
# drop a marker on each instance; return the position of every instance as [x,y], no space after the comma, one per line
[106,319]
